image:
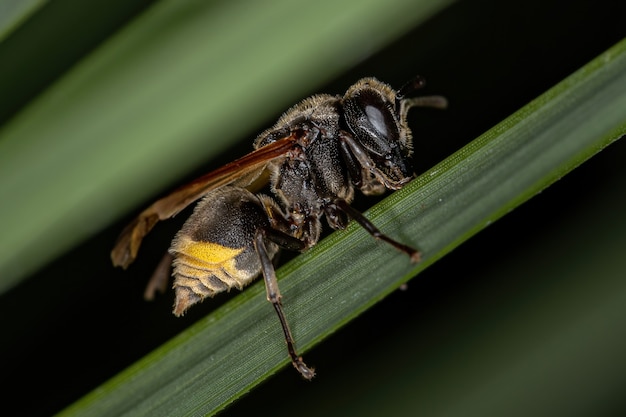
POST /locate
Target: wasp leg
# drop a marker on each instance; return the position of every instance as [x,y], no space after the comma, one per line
[284,240]
[414,254]
[354,169]
[274,297]
[363,171]
[160,277]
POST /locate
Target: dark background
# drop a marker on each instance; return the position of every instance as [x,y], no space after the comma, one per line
[65,339]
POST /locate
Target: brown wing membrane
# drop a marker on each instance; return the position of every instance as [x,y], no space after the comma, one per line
[243,172]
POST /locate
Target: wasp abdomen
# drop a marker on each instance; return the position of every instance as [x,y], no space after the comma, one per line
[214,252]
[203,269]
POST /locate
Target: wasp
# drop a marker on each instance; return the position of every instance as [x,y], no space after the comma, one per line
[313,159]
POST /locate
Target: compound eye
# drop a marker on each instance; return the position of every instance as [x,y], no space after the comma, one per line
[377,120]
[372,120]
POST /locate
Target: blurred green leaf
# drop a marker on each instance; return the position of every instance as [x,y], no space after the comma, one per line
[168,89]
[14,12]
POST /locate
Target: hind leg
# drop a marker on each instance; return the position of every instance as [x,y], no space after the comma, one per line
[274,296]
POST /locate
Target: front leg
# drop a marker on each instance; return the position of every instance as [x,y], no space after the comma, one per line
[361,168]
[414,254]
